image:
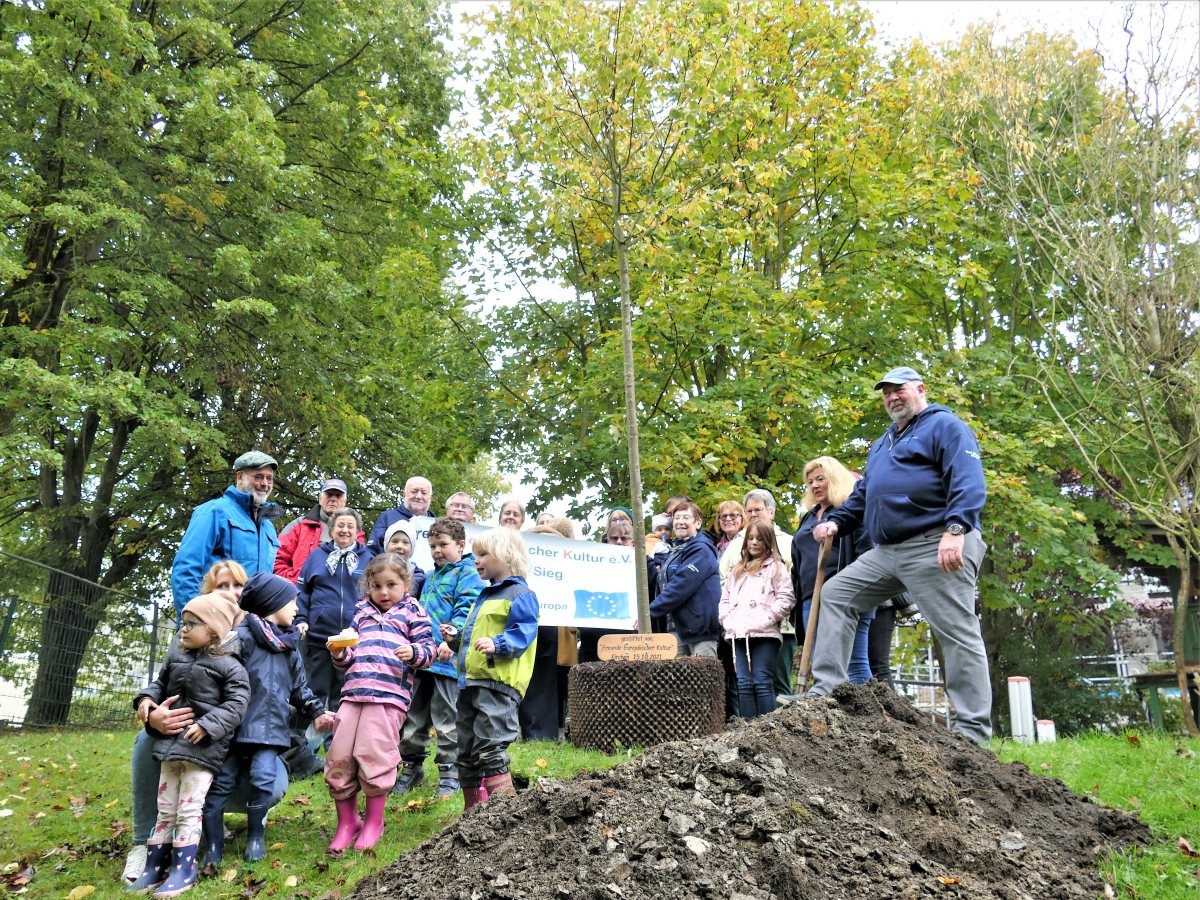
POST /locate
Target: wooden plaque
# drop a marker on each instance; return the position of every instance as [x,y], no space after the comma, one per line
[637,646]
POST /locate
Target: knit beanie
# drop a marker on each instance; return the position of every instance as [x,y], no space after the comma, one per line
[216,611]
[265,593]
[624,509]
[401,525]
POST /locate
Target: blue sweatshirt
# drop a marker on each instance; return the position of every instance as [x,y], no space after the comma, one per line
[924,477]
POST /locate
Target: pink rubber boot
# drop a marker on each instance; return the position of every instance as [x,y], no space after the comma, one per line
[473,796]
[372,823]
[348,826]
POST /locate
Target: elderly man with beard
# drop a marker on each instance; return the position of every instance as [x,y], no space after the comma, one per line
[237,526]
[920,500]
[418,495]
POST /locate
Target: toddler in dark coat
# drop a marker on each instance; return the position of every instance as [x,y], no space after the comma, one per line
[277,683]
[215,685]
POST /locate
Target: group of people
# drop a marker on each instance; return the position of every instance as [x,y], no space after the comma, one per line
[327,626]
[319,627]
[902,537]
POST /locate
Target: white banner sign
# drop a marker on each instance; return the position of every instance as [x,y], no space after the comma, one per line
[581,584]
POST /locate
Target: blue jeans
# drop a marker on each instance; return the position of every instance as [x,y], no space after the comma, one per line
[754,662]
[859,670]
[255,763]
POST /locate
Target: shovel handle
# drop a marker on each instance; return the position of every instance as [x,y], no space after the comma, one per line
[810,627]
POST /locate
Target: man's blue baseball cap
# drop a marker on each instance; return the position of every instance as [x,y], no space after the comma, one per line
[898,375]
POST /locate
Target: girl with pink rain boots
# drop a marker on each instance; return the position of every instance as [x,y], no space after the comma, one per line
[393,638]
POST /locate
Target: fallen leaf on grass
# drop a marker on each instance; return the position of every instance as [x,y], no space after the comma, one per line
[541,764]
[252,885]
[1134,740]
[16,882]
[78,893]
[1186,849]
[278,845]
[5,812]
[77,805]
[111,803]
[291,881]
[1045,767]
[302,801]
[229,875]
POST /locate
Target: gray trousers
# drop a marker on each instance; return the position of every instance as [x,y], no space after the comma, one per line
[946,600]
[434,704]
[487,724]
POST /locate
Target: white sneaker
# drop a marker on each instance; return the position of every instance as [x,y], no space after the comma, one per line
[135,864]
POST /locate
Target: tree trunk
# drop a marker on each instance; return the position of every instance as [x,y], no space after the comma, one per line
[1183,609]
[631,421]
[74,608]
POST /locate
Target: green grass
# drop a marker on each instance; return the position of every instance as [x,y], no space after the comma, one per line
[68,794]
[68,797]
[1152,774]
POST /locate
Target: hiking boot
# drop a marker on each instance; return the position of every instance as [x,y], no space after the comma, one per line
[447,780]
[411,777]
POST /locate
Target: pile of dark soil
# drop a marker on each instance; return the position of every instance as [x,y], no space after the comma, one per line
[850,796]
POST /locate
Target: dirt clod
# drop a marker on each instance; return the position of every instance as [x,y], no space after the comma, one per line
[853,796]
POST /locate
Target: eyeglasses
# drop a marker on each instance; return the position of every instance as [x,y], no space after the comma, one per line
[189,624]
[263,479]
[466,506]
[729,516]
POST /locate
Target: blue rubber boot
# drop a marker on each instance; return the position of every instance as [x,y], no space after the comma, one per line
[158,861]
[183,872]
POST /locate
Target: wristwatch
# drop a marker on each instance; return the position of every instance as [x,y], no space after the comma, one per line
[956,529]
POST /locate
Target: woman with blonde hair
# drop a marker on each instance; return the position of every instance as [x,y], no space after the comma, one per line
[827,485]
[730,519]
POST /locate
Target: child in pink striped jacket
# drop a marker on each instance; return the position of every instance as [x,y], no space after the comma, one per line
[395,637]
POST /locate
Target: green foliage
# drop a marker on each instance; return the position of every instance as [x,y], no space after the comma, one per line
[221,232]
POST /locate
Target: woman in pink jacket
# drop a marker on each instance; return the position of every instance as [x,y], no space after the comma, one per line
[758,596]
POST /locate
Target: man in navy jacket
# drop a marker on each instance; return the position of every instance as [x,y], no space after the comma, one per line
[919,500]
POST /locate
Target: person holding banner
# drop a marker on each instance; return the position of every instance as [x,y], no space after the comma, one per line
[689,586]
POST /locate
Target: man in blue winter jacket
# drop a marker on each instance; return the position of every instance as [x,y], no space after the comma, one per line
[919,500]
[237,526]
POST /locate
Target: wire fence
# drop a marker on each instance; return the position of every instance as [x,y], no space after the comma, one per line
[72,652]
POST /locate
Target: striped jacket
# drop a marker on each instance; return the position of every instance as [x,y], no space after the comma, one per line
[373,673]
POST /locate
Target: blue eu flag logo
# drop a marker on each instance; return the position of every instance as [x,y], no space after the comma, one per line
[601,605]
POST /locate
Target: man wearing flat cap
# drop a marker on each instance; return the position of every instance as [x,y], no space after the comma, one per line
[920,500]
[302,535]
[237,526]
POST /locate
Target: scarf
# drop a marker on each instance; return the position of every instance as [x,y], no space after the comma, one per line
[337,555]
[270,636]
